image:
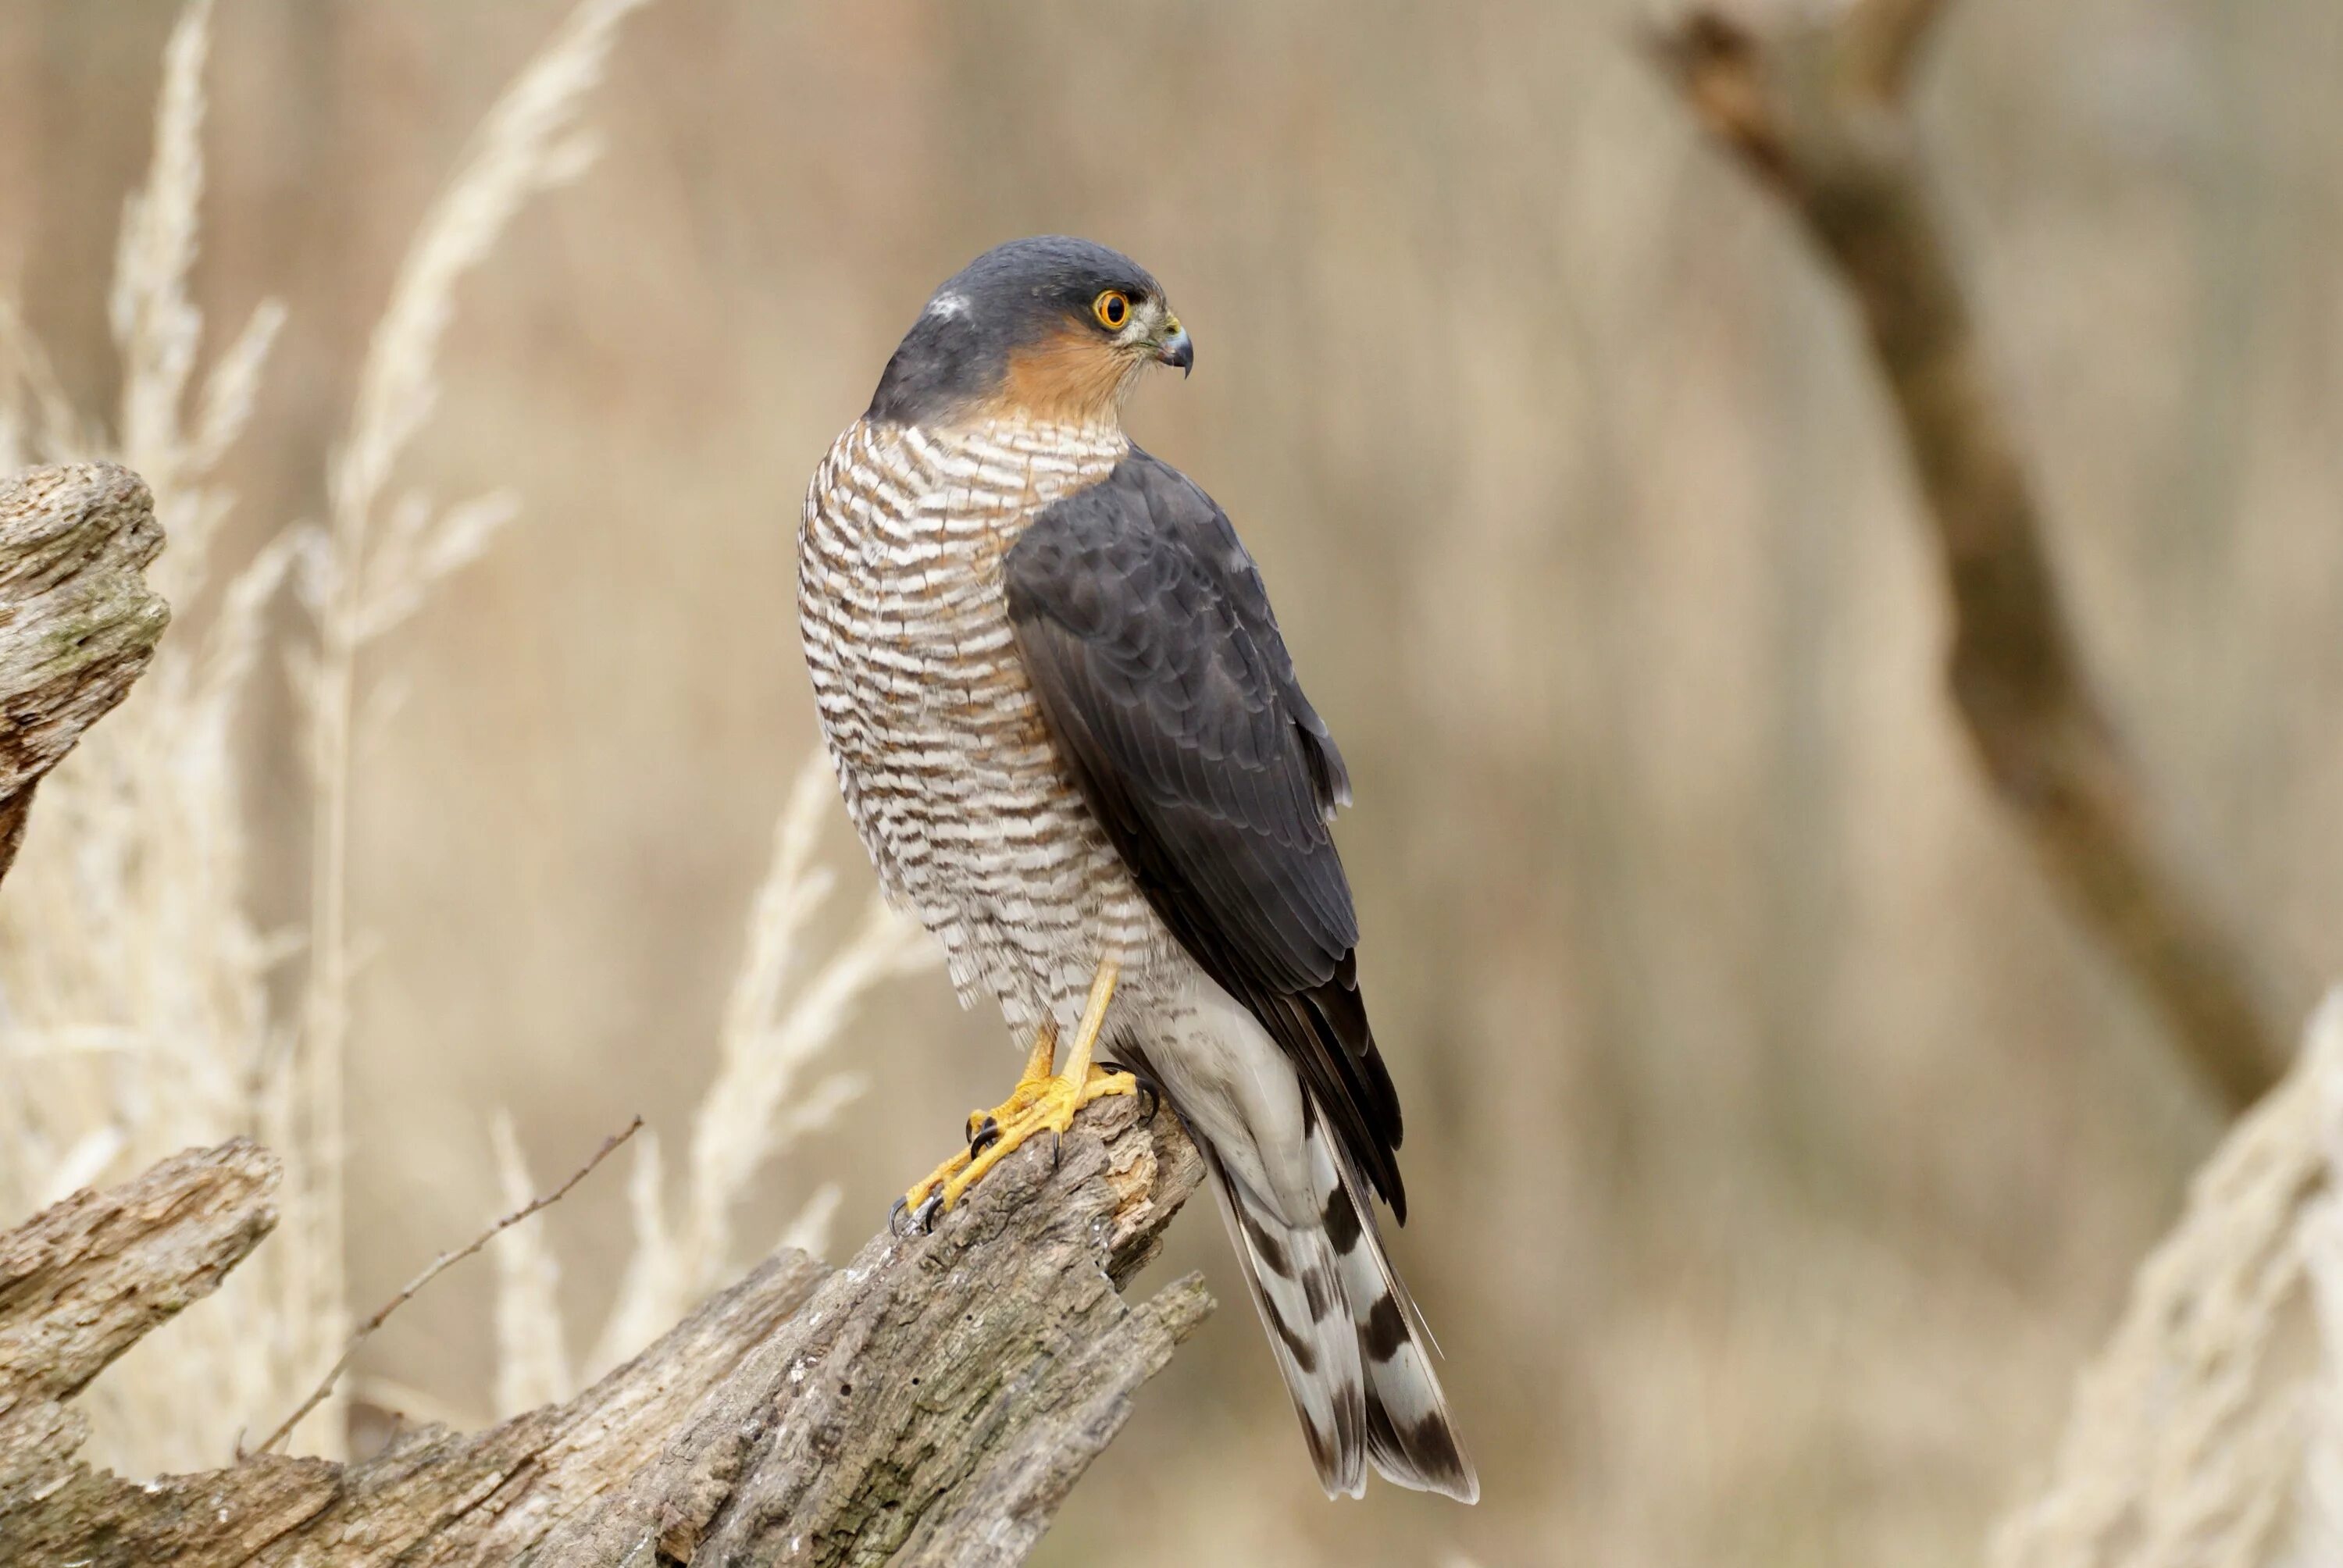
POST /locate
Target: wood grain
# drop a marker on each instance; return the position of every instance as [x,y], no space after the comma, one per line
[934,1402]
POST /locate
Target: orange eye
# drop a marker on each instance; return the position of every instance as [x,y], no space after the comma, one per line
[1112,309]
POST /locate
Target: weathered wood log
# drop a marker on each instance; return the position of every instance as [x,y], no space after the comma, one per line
[78,623]
[1814,103]
[931,1403]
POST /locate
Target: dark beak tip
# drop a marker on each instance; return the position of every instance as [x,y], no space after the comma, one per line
[1179,353]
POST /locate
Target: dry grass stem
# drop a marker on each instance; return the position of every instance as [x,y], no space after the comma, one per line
[134,1014]
[155,325]
[363,574]
[39,423]
[132,1010]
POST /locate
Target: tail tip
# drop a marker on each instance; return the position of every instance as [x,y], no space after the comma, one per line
[1424,1457]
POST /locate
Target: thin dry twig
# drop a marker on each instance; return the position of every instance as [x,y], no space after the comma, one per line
[1815,106]
[437,1266]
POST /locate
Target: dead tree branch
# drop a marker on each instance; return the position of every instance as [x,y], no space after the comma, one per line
[87,1279]
[1816,105]
[78,623]
[932,1402]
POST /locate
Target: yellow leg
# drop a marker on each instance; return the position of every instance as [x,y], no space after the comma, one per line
[1044,1062]
[1040,1068]
[1043,1100]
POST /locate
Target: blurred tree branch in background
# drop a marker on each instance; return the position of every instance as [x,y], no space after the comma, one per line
[931,1404]
[77,622]
[1814,102]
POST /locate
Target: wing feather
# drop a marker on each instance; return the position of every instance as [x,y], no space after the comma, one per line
[1148,639]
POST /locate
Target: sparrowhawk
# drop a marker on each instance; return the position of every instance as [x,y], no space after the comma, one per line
[1070,737]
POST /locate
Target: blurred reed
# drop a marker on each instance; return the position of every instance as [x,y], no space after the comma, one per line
[134,984]
[135,1014]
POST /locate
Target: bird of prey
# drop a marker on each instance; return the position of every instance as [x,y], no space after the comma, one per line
[1071,738]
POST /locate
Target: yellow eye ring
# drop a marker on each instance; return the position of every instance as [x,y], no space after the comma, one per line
[1113,309]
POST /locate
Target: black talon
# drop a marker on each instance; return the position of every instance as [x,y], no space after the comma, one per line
[895,1216]
[1150,1097]
[924,1216]
[983,1136]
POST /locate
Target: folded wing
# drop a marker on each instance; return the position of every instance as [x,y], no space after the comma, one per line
[1149,641]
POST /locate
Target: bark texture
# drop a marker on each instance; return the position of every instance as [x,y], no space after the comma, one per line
[1814,103]
[931,1403]
[77,622]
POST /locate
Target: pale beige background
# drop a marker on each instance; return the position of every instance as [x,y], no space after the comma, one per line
[1777,1148]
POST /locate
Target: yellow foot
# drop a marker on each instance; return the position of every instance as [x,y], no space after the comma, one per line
[1037,1105]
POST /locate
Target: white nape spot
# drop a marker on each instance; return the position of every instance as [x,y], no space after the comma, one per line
[944,307]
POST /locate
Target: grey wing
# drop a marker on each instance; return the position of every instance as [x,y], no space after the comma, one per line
[1148,642]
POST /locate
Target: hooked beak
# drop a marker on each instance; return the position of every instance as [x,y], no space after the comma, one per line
[1174,348]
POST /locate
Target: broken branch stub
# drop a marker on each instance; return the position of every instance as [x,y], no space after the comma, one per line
[931,1403]
[77,622]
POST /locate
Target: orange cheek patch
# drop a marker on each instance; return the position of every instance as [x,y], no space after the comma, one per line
[1070,378]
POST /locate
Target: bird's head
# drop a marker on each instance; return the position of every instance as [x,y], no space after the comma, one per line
[1051,330]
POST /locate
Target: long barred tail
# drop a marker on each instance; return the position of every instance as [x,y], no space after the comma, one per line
[1346,1335]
